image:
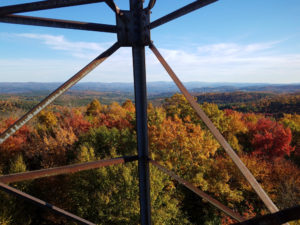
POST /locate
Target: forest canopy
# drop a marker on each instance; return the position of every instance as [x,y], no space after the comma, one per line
[178,139]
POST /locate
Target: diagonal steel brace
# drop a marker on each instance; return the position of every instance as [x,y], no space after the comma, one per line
[181,12]
[245,171]
[200,193]
[59,91]
[44,204]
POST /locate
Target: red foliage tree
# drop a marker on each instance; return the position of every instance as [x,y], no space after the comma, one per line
[270,139]
[77,122]
[16,142]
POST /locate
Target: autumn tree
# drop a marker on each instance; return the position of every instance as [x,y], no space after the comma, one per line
[49,150]
[129,106]
[17,165]
[14,145]
[75,120]
[270,139]
[228,122]
[178,105]
[93,108]
[293,122]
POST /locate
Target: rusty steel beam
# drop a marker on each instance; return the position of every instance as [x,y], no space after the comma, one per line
[41,5]
[59,91]
[44,204]
[30,175]
[181,12]
[200,193]
[277,218]
[245,171]
[113,6]
[151,4]
[57,23]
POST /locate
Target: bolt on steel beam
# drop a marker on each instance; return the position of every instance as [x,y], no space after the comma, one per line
[245,171]
[57,23]
[30,175]
[59,91]
[41,5]
[180,12]
[200,193]
[127,28]
[44,204]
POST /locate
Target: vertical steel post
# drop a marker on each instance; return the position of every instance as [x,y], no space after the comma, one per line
[139,73]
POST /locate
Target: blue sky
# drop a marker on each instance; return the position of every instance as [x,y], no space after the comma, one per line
[228,41]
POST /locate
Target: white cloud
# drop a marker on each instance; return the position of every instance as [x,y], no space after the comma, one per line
[231,62]
[227,49]
[59,42]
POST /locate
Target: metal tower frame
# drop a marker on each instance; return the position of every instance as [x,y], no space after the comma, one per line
[133,28]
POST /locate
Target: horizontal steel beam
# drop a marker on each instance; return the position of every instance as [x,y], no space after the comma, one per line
[41,5]
[30,175]
[57,23]
[200,193]
[219,137]
[277,218]
[180,12]
[58,92]
[43,204]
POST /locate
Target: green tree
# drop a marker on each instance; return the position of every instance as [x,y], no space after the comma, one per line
[93,108]
[109,195]
[47,119]
[178,105]
[17,165]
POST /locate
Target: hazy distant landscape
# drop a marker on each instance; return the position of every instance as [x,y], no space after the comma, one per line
[154,88]
[244,97]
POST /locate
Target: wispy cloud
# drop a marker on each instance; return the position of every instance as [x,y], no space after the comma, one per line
[234,49]
[232,62]
[59,42]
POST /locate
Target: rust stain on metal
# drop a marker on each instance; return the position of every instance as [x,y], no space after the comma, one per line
[64,169]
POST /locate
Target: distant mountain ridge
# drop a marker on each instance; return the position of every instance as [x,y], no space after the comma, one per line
[154,88]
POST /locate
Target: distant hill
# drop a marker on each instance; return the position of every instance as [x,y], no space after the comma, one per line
[274,104]
[154,88]
[259,98]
